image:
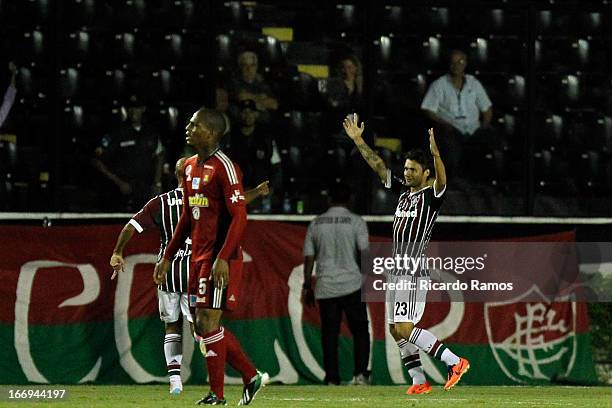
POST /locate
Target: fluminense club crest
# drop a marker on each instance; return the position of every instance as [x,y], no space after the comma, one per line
[532,340]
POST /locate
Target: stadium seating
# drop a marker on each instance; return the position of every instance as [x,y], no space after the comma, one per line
[129,14]
[180,14]
[553,22]
[504,54]
[550,172]
[403,92]
[230,45]
[301,92]
[173,52]
[30,14]
[563,54]
[80,13]
[495,21]
[33,83]
[551,131]
[506,91]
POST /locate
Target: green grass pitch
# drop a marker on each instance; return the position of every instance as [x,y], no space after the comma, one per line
[119,396]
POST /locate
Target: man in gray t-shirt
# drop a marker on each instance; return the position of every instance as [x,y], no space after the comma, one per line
[335,239]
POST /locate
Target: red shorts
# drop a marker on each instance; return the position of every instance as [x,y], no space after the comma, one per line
[202,291]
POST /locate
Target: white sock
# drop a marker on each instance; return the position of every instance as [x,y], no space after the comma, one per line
[173,350]
[449,357]
[411,359]
[427,342]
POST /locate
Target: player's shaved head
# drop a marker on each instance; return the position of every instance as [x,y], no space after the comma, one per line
[179,168]
[212,120]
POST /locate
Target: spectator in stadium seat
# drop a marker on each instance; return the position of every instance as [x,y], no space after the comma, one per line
[344,95]
[9,95]
[253,147]
[335,240]
[130,158]
[344,90]
[460,107]
[249,84]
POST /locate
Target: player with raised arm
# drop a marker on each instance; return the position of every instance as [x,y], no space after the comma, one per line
[215,215]
[417,209]
[163,212]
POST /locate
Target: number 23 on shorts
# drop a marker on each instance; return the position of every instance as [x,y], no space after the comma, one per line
[401,308]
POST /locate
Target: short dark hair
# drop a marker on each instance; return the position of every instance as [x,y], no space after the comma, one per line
[213,120]
[422,157]
[340,194]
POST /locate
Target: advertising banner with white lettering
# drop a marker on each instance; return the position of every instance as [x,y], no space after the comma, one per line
[62,319]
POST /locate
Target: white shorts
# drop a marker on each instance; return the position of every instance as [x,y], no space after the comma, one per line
[171,304]
[405,305]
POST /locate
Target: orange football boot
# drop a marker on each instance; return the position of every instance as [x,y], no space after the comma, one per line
[419,389]
[456,372]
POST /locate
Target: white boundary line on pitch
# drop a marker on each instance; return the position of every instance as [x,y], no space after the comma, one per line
[451,219]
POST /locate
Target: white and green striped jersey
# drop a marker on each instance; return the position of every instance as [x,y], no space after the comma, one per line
[164,212]
[414,218]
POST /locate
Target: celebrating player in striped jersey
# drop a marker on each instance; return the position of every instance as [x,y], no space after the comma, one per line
[417,209]
[214,215]
[163,212]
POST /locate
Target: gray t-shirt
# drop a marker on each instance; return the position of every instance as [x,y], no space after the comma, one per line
[335,239]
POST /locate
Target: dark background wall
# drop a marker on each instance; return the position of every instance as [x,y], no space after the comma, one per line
[544,64]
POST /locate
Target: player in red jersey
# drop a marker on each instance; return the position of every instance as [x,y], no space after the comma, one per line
[162,212]
[214,214]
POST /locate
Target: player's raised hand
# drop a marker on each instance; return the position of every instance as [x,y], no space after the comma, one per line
[351,127]
[116,262]
[160,271]
[220,273]
[263,189]
[433,147]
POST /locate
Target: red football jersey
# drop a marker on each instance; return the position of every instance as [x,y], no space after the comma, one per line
[214,209]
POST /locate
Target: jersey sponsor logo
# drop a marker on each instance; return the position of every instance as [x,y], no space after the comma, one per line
[236,196]
[406,214]
[183,253]
[195,183]
[195,211]
[188,170]
[198,200]
[174,201]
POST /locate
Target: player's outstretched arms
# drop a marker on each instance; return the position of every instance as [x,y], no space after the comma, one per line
[440,182]
[355,131]
[261,190]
